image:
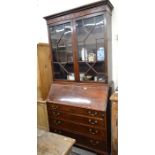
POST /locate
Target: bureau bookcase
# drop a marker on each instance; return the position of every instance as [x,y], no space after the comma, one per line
[78,100]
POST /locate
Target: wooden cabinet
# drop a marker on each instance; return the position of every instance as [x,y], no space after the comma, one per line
[80,43]
[114,123]
[44,70]
[80,111]
[44,78]
[80,46]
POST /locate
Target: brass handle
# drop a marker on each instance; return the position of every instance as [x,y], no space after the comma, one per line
[92,113]
[93,131]
[57,122]
[102,114]
[93,122]
[56,113]
[54,107]
[94,142]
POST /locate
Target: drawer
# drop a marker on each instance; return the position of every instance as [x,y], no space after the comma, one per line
[97,122]
[77,128]
[86,142]
[76,110]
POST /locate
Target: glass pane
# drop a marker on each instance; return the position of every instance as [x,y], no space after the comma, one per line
[62,51]
[91,54]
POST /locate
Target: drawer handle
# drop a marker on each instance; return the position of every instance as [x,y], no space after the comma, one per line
[56,113]
[102,114]
[93,131]
[96,142]
[57,122]
[54,107]
[92,113]
[93,122]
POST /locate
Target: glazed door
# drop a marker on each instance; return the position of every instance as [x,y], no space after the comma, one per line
[62,52]
[91,51]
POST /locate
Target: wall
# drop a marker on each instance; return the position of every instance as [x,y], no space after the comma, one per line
[48,7]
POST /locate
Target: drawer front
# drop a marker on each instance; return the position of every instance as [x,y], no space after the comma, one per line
[81,129]
[96,122]
[90,143]
[76,110]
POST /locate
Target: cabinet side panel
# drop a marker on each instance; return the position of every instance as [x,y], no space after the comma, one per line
[114,124]
[39,93]
[44,61]
[108,36]
[42,118]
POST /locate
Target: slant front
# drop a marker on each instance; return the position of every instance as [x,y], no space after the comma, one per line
[84,95]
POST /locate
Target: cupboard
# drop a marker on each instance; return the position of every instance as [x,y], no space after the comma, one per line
[80,43]
[78,101]
[44,80]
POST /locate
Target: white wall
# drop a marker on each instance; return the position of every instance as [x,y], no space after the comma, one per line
[48,7]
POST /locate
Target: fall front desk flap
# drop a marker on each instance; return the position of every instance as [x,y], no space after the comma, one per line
[90,96]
